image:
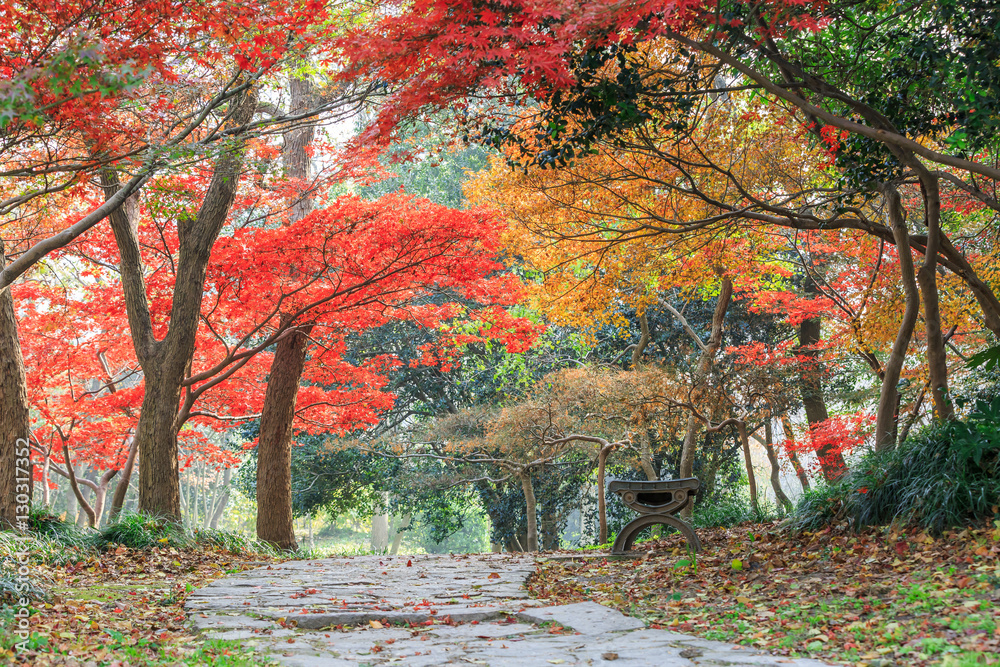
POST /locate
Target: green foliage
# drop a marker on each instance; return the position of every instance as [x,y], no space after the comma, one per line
[945,476]
[234,543]
[141,531]
[731,510]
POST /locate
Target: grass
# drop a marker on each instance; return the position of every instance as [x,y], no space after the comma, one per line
[116,596]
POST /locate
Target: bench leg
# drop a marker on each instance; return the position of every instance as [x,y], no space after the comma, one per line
[627,536]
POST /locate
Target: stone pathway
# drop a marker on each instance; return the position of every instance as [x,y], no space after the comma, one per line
[428,610]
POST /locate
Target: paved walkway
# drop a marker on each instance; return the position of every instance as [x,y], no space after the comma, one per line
[431,610]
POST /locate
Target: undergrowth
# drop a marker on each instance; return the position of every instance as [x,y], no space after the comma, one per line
[947,475]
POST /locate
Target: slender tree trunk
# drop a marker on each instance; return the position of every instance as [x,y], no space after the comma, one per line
[397,539]
[531,511]
[700,376]
[15,461]
[887,417]
[800,472]
[646,452]
[772,458]
[644,339]
[550,530]
[937,362]
[602,507]
[741,428]
[118,500]
[274,449]
[46,494]
[227,476]
[811,386]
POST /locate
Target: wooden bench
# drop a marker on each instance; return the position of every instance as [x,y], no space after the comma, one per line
[656,502]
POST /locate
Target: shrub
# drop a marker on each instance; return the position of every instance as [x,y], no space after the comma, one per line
[946,475]
[141,531]
[234,542]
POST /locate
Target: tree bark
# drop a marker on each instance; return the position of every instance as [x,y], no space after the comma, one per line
[274,448]
[772,458]
[531,511]
[397,539]
[165,363]
[937,362]
[15,461]
[811,386]
[118,500]
[800,472]
[700,376]
[602,507]
[380,532]
[741,428]
[887,417]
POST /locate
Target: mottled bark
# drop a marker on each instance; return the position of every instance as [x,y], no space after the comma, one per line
[602,507]
[274,448]
[15,463]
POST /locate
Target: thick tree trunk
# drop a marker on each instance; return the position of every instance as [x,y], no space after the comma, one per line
[811,386]
[531,511]
[15,462]
[700,376]
[274,449]
[937,362]
[887,417]
[741,429]
[800,472]
[772,458]
[165,362]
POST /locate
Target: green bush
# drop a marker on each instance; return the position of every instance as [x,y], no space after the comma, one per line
[141,531]
[234,542]
[730,511]
[946,475]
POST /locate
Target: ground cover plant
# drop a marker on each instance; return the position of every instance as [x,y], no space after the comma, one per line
[880,597]
[117,597]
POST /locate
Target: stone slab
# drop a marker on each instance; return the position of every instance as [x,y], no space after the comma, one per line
[588,618]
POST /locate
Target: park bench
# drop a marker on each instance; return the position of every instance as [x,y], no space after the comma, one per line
[656,502]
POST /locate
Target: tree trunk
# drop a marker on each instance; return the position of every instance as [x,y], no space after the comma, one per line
[772,458]
[937,362]
[274,449]
[397,539]
[118,500]
[531,511]
[700,376]
[602,507]
[887,417]
[550,531]
[646,453]
[741,428]
[16,478]
[380,532]
[811,386]
[800,472]
[227,476]
[166,362]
